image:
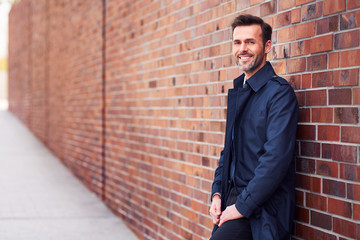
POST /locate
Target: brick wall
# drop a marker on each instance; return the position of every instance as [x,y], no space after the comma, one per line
[131,95]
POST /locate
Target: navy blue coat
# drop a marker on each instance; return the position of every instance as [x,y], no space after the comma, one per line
[264,117]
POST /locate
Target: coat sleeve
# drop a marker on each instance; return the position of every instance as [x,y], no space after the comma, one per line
[273,164]
[216,186]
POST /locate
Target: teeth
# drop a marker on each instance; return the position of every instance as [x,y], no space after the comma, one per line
[244,58]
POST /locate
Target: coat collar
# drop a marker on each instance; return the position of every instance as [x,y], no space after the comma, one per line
[259,79]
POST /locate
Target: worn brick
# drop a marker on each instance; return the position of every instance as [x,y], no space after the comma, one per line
[343,153]
[268,8]
[350,20]
[326,25]
[322,79]
[348,77]
[282,19]
[346,115]
[339,207]
[300,48]
[312,11]
[306,81]
[305,165]
[347,39]
[332,187]
[353,193]
[317,62]
[350,172]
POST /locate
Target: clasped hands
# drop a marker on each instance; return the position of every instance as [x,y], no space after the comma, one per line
[218,217]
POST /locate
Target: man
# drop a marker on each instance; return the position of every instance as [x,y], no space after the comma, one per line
[253,189]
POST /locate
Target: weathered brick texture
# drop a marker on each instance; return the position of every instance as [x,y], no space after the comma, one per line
[131,96]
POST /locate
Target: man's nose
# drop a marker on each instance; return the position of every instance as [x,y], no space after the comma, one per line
[243,48]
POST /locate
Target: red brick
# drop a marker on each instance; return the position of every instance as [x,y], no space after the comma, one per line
[280,51]
[350,172]
[306,81]
[279,67]
[353,4]
[306,132]
[345,228]
[321,220]
[339,207]
[324,115]
[310,149]
[305,232]
[356,95]
[318,62]
[350,20]
[348,77]
[305,30]
[326,25]
[356,211]
[350,58]
[335,188]
[302,214]
[350,134]
[296,65]
[333,6]
[334,60]
[286,4]
[346,115]
[340,97]
[304,115]
[341,153]
[254,2]
[282,19]
[286,34]
[353,193]
[300,98]
[301,2]
[296,15]
[311,11]
[322,79]
[321,44]
[267,8]
[300,48]
[328,133]
[347,39]
[316,201]
[299,198]
[305,165]
[294,81]
[316,98]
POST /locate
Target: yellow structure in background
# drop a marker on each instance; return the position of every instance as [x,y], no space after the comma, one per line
[3,64]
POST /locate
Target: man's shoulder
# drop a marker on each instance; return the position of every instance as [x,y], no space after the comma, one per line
[279,80]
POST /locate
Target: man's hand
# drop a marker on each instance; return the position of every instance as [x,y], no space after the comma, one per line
[215,209]
[230,213]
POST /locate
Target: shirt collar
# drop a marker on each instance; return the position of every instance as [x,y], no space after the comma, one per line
[258,80]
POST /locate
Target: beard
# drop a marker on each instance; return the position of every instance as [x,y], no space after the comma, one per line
[249,67]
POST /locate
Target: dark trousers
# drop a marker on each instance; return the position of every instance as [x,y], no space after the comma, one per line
[237,229]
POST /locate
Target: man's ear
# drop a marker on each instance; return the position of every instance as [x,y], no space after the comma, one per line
[267,47]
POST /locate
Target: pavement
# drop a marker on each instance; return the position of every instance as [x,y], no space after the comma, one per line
[41,200]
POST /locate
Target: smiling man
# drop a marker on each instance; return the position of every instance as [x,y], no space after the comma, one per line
[253,192]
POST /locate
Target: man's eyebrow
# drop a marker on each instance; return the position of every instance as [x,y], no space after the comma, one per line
[247,39]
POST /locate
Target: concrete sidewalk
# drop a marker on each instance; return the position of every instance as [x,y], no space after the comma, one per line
[40,199]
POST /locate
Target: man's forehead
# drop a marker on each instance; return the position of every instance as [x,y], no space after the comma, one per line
[247,31]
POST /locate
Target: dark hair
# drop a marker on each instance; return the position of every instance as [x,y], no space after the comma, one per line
[247,20]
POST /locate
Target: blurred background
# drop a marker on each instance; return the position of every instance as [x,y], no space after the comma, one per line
[4,13]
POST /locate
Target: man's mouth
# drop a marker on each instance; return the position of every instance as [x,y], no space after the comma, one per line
[244,57]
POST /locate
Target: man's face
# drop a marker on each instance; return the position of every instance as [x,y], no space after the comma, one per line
[248,48]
